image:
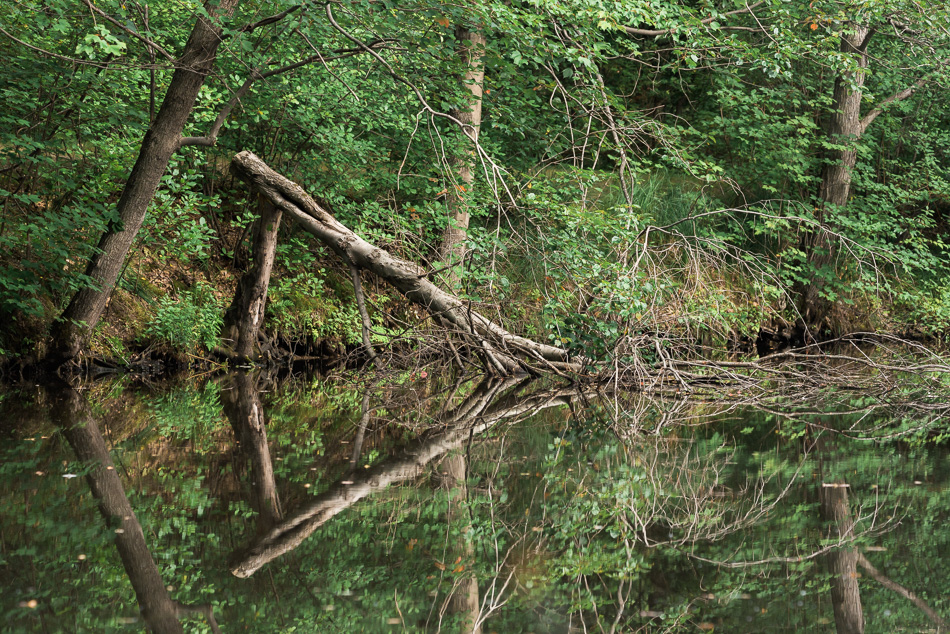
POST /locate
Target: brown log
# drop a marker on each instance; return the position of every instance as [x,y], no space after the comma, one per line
[507,353]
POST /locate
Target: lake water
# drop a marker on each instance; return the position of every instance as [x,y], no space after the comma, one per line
[414,502]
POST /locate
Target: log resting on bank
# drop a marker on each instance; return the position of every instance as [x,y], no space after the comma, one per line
[506,353]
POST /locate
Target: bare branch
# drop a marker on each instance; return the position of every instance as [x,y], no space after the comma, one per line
[212,137]
[277,17]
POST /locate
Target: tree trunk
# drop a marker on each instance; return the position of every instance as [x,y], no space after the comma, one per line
[506,353]
[244,317]
[471,48]
[844,129]
[72,330]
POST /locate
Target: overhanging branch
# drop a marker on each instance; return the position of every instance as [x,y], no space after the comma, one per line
[705,21]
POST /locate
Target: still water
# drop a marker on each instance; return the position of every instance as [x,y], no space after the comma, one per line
[415,502]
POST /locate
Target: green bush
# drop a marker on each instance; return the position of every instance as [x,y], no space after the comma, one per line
[191,321]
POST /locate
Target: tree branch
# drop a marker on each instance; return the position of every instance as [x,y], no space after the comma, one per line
[43,51]
[212,136]
[901,590]
[897,96]
[657,32]
[277,17]
[150,44]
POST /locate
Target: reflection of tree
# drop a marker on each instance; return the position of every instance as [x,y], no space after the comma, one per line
[484,408]
[242,405]
[842,562]
[70,411]
[463,599]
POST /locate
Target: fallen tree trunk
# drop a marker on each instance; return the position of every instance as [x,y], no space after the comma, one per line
[505,352]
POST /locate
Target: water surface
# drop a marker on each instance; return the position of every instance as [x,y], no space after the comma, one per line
[420,503]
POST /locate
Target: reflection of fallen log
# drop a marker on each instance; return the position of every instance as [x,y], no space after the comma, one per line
[483,409]
[506,353]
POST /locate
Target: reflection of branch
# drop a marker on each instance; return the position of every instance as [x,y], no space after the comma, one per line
[479,412]
[878,576]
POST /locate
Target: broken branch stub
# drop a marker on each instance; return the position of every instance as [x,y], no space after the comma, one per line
[506,353]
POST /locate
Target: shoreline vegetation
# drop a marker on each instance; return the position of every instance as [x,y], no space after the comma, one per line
[541,189]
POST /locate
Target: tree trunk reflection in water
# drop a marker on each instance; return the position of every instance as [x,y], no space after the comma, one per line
[242,406]
[842,562]
[479,412]
[463,601]
[71,412]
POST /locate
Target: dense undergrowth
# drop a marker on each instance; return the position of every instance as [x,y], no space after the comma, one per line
[566,263]
[624,187]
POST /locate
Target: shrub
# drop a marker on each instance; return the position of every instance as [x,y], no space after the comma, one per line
[191,321]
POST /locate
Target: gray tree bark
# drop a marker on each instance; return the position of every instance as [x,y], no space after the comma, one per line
[72,330]
[842,128]
[471,45]
[243,319]
[506,353]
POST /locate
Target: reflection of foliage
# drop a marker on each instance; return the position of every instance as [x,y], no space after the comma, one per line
[189,413]
[705,514]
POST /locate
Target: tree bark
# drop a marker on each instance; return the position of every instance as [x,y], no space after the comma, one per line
[844,129]
[471,45]
[507,353]
[244,317]
[72,330]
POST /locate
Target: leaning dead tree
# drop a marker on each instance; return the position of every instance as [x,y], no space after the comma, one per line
[663,368]
[505,353]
